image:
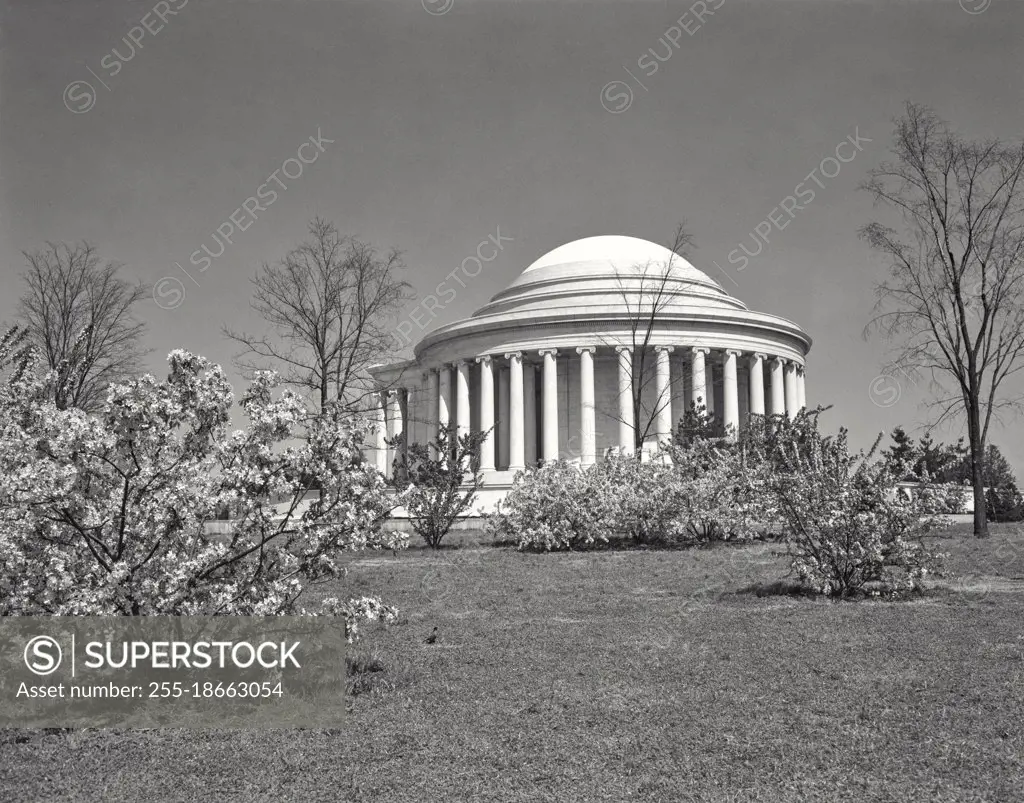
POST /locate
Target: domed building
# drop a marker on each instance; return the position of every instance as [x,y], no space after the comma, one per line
[600,344]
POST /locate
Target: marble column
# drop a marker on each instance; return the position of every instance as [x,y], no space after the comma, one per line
[516,433]
[462,411]
[778,393]
[487,412]
[444,396]
[550,404]
[730,394]
[626,442]
[663,389]
[380,434]
[699,383]
[801,387]
[757,383]
[530,410]
[433,407]
[588,423]
[790,389]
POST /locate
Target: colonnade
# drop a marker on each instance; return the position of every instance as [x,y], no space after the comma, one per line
[448,389]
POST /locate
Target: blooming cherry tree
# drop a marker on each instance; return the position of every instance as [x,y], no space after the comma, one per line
[107,514]
[556,506]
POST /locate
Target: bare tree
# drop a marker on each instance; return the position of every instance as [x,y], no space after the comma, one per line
[646,290]
[328,304]
[79,315]
[953,302]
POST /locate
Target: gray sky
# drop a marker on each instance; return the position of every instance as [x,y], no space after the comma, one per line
[447,126]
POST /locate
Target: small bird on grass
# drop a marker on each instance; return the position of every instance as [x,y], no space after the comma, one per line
[432,637]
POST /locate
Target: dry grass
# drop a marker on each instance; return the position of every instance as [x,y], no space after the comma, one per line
[620,676]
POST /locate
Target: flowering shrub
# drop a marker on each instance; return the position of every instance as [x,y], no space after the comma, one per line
[556,506]
[644,499]
[722,499]
[440,479]
[106,514]
[689,494]
[849,531]
[940,498]
[695,493]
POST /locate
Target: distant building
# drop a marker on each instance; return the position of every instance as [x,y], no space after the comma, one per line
[551,361]
[908,488]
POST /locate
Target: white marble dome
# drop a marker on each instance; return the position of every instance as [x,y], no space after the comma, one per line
[608,273]
[615,252]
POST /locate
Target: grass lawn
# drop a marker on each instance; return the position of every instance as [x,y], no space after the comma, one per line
[611,676]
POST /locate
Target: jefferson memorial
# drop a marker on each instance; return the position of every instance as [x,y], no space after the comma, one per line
[601,344]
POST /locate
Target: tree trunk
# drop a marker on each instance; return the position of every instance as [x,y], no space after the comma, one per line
[323,406]
[638,435]
[977,468]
